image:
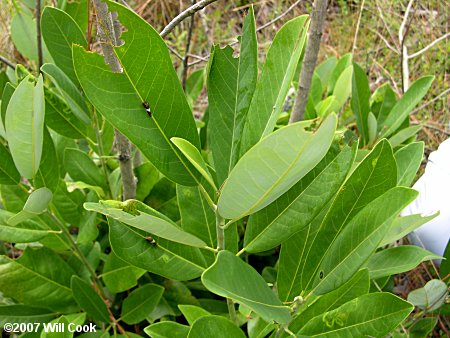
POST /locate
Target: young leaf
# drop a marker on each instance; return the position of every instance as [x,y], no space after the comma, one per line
[342,90]
[360,101]
[146,219]
[408,162]
[24,123]
[231,84]
[140,303]
[148,76]
[359,239]
[8,172]
[194,156]
[275,81]
[273,166]
[295,209]
[59,32]
[404,106]
[230,277]
[214,326]
[80,167]
[343,63]
[431,296]
[166,329]
[89,300]
[374,314]
[38,278]
[168,259]
[300,259]
[35,205]
[397,260]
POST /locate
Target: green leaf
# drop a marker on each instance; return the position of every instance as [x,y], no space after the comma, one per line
[77,9]
[404,106]
[39,277]
[397,260]
[325,69]
[431,297]
[301,255]
[69,205]
[80,167]
[147,176]
[197,217]
[26,232]
[360,238]
[355,287]
[423,327]
[8,172]
[118,275]
[342,90]
[230,277]
[48,173]
[295,209]
[275,81]
[194,156]
[68,91]
[408,162]
[231,85]
[382,101]
[6,97]
[64,333]
[373,126]
[148,76]
[140,303]
[35,205]
[24,314]
[402,226]
[360,101]
[403,135]
[146,219]
[24,124]
[273,166]
[374,314]
[192,313]
[23,34]
[89,300]
[168,259]
[344,62]
[59,32]
[194,84]
[214,326]
[167,329]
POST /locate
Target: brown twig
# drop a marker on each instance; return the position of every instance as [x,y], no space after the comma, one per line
[7,62]
[279,17]
[183,15]
[188,47]
[38,34]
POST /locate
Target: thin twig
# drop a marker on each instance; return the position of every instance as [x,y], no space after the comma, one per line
[174,52]
[38,34]
[355,39]
[281,16]
[385,41]
[7,62]
[404,49]
[431,101]
[380,12]
[188,47]
[423,50]
[183,15]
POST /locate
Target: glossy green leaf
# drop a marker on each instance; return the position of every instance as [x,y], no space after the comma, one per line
[68,91]
[402,226]
[59,32]
[194,156]
[77,9]
[8,172]
[39,277]
[274,82]
[168,259]
[118,275]
[431,296]
[167,329]
[35,205]
[231,85]
[80,167]
[24,314]
[360,238]
[23,34]
[192,313]
[397,260]
[214,326]
[374,314]
[148,75]
[404,106]
[89,300]
[408,162]
[273,166]
[197,217]
[140,303]
[296,208]
[360,101]
[357,286]
[300,257]
[146,219]
[230,277]
[24,125]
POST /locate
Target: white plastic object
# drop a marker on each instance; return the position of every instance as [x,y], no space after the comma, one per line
[434,195]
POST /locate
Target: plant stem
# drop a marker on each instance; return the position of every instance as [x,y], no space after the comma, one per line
[232,311]
[38,34]
[188,47]
[220,231]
